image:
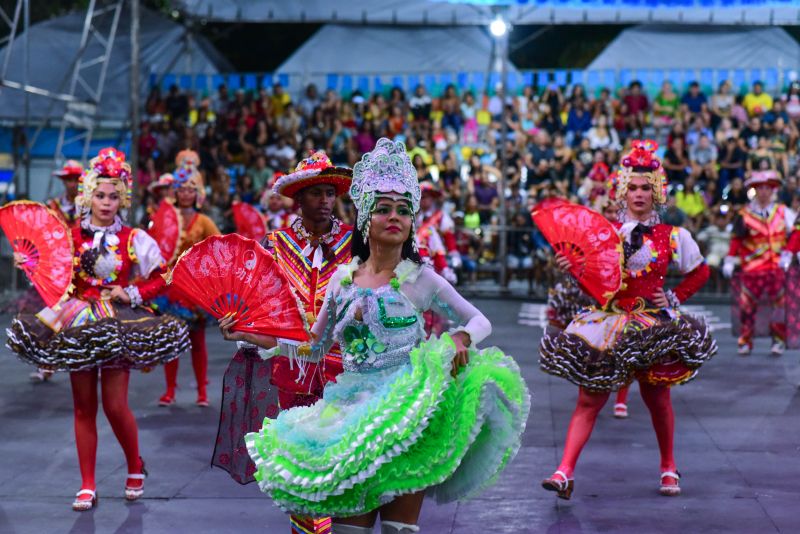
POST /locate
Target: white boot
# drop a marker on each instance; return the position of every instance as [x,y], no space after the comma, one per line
[395,527]
[777,348]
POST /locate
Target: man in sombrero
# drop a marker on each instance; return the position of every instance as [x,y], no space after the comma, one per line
[309,251]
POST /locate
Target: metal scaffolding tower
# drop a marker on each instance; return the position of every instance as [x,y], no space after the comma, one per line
[81,88]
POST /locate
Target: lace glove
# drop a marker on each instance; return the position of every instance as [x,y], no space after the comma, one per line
[728,266]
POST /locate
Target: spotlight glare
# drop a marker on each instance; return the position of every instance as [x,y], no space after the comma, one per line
[498,27]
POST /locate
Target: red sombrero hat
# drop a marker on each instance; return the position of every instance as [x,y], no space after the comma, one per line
[70,168]
[314,170]
[769,177]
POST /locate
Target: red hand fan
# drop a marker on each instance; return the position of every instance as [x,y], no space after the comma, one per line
[38,234]
[165,228]
[588,241]
[249,221]
[224,274]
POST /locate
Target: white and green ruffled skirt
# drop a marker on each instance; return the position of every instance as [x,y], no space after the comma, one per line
[408,428]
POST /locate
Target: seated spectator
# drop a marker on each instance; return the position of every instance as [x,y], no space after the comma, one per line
[636,108]
[757,102]
[736,194]
[486,194]
[694,101]
[309,101]
[540,160]
[716,239]
[698,129]
[712,194]
[792,101]
[732,161]
[703,157]
[245,191]
[665,106]
[789,190]
[469,114]
[753,132]
[676,162]
[279,100]
[469,247]
[472,216]
[673,215]
[601,137]
[520,249]
[725,131]
[177,104]
[722,102]
[762,157]
[420,104]
[578,122]
[451,109]
[280,155]
[259,173]
[690,201]
[777,112]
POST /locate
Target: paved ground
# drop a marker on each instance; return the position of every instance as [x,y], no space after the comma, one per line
[738,446]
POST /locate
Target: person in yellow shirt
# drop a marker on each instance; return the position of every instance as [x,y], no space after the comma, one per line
[279,100]
[691,201]
[758,102]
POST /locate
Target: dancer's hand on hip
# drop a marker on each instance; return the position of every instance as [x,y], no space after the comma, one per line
[461,359]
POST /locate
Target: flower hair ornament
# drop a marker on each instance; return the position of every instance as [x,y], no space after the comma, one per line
[109,166]
[386,171]
[642,161]
[188,175]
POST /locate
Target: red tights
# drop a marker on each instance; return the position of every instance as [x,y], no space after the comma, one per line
[656,398]
[114,387]
[199,362]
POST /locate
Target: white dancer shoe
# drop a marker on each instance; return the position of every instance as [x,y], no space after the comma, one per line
[777,348]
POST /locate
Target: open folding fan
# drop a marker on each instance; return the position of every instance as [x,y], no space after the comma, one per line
[165,228]
[588,241]
[249,221]
[44,240]
[224,274]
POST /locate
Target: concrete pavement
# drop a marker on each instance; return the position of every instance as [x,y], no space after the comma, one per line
[737,446]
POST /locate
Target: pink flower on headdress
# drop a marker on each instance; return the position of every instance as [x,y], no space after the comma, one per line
[642,154]
[317,160]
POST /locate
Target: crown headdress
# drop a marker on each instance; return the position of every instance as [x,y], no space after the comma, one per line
[387,169]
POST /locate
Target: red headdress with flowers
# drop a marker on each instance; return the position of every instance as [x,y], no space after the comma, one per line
[108,166]
[642,161]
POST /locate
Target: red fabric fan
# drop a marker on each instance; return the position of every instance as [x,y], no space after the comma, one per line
[44,240]
[588,241]
[165,228]
[224,274]
[249,221]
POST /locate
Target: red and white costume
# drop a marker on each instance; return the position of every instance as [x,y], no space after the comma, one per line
[604,349]
[759,247]
[90,332]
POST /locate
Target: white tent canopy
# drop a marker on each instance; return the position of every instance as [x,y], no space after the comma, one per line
[387,51]
[481,12]
[699,47]
[164,47]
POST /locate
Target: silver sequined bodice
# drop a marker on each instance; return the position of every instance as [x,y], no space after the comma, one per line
[389,328]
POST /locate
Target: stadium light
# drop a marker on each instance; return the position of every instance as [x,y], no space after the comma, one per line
[498,27]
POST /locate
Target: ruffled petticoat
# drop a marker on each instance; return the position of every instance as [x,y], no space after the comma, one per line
[377,435]
[83,335]
[564,300]
[605,350]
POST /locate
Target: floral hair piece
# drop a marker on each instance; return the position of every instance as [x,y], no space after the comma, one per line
[188,175]
[108,166]
[642,161]
[387,169]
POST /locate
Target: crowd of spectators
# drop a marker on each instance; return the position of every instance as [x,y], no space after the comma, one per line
[549,141]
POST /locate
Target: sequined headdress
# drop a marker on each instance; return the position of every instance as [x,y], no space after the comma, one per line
[642,161]
[108,166]
[387,169]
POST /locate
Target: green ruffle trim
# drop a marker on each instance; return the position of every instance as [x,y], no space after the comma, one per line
[426,428]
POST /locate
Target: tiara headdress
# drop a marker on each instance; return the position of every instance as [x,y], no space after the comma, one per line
[387,169]
[642,161]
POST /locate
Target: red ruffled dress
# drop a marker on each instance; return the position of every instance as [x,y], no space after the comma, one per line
[605,349]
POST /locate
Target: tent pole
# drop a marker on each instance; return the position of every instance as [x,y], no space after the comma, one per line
[26,61]
[134,151]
